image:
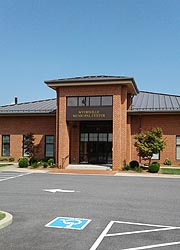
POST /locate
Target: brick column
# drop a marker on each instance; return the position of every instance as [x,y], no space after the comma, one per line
[119,127]
[63,133]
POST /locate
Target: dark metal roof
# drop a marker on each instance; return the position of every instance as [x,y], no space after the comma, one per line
[100,79]
[144,102]
[90,78]
[37,107]
[155,102]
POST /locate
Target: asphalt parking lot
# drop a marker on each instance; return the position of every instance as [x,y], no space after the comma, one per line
[89,212]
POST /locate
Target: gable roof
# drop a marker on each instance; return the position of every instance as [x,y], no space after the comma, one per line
[47,106]
[155,102]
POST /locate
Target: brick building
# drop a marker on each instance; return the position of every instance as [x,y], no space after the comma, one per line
[93,120]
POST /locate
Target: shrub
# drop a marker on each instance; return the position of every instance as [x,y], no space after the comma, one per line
[126,167]
[167,162]
[33,161]
[45,164]
[11,159]
[23,162]
[3,159]
[50,162]
[154,167]
[134,164]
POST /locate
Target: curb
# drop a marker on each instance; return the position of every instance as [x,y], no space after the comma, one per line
[6,221]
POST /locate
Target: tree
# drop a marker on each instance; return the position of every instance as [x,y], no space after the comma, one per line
[148,143]
[30,149]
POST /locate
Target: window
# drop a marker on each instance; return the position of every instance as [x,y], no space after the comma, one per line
[93,136]
[102,136]
[49,146]
[95,101]
[106,100]
[84,136]
[81,101]
[178,147]
[72,101]
[5,145]
[84,101]
[156,156]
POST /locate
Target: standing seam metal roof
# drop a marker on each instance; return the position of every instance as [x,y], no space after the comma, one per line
[37,107]
[148,101]
[142,102]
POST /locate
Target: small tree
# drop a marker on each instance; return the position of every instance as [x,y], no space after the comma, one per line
[30,149]
[148,143]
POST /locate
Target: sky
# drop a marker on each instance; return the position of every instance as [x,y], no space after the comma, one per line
[52,39]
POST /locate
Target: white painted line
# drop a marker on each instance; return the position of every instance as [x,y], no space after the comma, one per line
[154,246]
[59,190]
[139,232]
[108,227]
[102,235]
[140,224]
[13,177]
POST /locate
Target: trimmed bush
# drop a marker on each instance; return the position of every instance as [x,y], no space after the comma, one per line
[134,164]
[154,167]
[167,162]
[23,162]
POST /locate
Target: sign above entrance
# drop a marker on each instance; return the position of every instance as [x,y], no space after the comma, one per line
[88,113]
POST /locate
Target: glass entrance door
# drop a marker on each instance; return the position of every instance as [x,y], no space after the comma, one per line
[96,148]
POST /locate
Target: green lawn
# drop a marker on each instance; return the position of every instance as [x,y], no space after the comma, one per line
[2,215]
[170,171]
[5,164]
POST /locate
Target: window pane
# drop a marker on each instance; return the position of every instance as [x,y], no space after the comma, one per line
[84,101]
[49,146]
[106,100]
[178,153]
[5,145]
[84,136]
[93,137]
[6,138]
[71,101]
[49,139]
[110,137]
[49,150]
[102,136]
[95,101]
[155,156]
[177,140]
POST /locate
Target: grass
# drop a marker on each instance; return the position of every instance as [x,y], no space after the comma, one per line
[2,215]
[5,164]
[170,171]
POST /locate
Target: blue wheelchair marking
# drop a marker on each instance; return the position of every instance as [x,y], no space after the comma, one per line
[68,223]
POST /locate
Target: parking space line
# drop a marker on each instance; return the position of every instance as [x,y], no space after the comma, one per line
[102,235]
[160,228]
[141,231]
[154,246]
[13,177]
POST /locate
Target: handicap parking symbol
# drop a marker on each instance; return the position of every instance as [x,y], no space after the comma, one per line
[68,223]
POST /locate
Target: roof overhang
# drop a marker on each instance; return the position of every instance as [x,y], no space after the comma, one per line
[124,81]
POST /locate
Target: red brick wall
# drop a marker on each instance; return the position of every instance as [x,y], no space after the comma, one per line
[17,126]
[170,124]
[119,116]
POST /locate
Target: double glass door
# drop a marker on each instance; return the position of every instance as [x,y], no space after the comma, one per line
[96,148]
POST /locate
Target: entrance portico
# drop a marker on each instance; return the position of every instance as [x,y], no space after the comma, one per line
[92,124]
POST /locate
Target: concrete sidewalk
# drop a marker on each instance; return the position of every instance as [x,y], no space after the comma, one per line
[15,168]
[85,169]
